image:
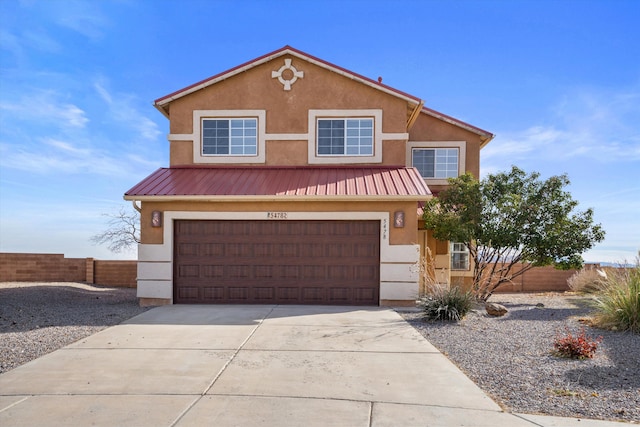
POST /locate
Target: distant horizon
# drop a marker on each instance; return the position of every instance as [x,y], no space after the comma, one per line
[78,80]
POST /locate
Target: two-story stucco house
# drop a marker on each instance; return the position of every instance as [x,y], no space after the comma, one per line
[295,181]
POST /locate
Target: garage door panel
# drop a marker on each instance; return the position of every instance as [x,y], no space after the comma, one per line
[264,294]
[314,295]
[288,294]
[298,262]
[213,293]
[188,293]
[238,293]
[363,294]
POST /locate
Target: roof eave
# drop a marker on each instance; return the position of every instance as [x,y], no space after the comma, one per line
[485,136]
[278,198]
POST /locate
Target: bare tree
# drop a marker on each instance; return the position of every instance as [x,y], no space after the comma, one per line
[123,231]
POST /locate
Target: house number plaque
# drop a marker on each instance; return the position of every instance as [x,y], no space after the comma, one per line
[276,215]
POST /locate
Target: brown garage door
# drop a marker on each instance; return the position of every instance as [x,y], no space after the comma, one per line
[281,262]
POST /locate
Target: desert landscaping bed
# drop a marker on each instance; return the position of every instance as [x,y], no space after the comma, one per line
[511,358]
[38,318]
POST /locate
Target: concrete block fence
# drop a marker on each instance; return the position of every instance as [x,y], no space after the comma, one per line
[21,267]
[538,279]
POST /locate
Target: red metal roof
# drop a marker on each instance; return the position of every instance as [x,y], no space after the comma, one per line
[312,182]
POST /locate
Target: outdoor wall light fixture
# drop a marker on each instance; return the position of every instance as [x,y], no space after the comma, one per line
[398,219]
[156,219]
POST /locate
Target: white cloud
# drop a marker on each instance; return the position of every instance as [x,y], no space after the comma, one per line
[40,40]
[83,17]
[55,156]
[598,125]
[10,42]
[122,110]
[45,107]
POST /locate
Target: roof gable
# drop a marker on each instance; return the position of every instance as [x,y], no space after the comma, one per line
[162,103]
[485,136]
[417,104]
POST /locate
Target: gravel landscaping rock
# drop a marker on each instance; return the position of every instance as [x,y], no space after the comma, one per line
[38,318]
[511,358]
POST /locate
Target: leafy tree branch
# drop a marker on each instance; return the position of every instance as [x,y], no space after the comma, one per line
[512,222]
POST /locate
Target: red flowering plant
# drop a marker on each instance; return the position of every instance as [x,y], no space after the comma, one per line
[578,346]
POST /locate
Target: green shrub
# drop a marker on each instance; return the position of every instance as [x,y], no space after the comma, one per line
[618,304]
[576,346]
[442,303]
[587,280]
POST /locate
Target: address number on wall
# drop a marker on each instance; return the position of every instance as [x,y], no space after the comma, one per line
[276,215]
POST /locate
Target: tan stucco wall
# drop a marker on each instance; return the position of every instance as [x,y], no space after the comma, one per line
[394,152]
[397,236]
[286,153]
[180,153]
[428,128]
[287,111]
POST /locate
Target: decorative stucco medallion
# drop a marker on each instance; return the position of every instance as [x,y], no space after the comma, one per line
[289,78]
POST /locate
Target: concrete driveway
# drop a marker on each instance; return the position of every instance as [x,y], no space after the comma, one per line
[253,366]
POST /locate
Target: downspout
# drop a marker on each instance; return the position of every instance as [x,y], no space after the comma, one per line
[136,207]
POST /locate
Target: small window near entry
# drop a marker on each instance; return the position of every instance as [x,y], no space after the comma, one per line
[230,137]
[459,256]
[438,163]
[345,137]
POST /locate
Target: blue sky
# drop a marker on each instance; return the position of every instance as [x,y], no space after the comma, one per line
[558,82]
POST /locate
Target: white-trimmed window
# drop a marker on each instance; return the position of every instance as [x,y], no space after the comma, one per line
[236,136]
[345,137]
[436,163]
[459,256]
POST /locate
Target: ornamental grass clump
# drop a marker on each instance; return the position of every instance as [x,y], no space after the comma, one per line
[575,346]
[444,304]
[618,304]
[587,280]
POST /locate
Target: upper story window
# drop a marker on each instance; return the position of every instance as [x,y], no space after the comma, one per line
[345,137]
[438,163]
[459,256]
[230,137]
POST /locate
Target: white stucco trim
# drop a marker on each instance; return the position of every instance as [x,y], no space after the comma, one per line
[199,158]
[378,136]
[180,137]
[153,253]
[400,272]
[395,136]
[196,136]
[155,289]
[154,270]
[397,262]
[287,136]
[398,291]
[462,156]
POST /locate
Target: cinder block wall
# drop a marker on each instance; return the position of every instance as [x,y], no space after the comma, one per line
[539,279]
[115,273]
[41,267]
[20,267]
